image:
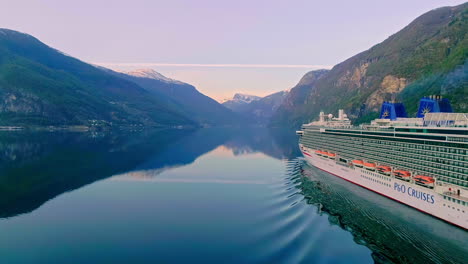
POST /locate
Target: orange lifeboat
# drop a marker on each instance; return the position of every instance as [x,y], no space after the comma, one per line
[358,163]
[318,152]
[369,165]
[402,175]
[425,181]
[331,155]
[386,170]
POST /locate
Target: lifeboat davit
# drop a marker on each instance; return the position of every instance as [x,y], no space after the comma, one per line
[370,166]
[386,170]
[425,181]
[358,163]
[331,155]
[402,175]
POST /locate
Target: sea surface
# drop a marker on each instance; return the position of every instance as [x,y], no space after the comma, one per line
[204,196]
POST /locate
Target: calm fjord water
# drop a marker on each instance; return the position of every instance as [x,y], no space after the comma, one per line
[205,196]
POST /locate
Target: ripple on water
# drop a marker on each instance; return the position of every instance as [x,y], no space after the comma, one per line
[287,230]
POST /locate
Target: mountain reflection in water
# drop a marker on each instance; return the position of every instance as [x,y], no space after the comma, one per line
[37,166]
[248,181]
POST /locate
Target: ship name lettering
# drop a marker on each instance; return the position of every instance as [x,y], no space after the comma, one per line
[414,193]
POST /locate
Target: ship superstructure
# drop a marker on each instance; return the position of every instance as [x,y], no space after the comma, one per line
[421,162]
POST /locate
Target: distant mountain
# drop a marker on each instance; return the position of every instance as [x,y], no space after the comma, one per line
[429,56]
[186,98]
[42,86]
[255,108]
[263,109]
[239,101]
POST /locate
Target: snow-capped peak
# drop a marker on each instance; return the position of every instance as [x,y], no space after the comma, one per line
[242,98]
[152,74]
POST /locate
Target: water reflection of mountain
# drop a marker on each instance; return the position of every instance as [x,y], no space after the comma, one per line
[277,143]
[395,233]
[187,149]
[36,167]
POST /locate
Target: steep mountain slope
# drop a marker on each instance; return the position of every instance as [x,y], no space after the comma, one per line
[429,56]
[295,105]
[184,97]
[42,86]
[239,101]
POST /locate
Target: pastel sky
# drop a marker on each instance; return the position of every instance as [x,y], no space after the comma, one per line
[221,47]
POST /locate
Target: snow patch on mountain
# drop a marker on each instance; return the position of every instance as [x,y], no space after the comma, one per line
[152,74]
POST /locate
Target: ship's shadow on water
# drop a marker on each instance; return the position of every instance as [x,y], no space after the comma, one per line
[395,233]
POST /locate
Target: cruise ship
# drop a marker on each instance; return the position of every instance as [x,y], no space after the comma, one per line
[421,162]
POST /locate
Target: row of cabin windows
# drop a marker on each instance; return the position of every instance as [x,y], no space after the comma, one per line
[385,158]
[426,160]
[455,148]
[375,180]
[389,137]
[385,178]
[417,149]
[425,168]
[456,200]
[438,151]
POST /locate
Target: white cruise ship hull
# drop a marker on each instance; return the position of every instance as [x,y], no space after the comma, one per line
[421,198]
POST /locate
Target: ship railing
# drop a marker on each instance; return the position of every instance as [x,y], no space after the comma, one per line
[457,139]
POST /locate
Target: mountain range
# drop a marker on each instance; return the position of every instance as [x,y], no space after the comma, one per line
[429,56]
[41,86]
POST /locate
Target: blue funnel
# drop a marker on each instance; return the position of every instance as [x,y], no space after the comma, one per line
[392,111]
[433,105]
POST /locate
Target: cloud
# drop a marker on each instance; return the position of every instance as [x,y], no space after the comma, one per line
[138,64]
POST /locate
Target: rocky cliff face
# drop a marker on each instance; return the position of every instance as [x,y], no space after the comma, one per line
[419,60]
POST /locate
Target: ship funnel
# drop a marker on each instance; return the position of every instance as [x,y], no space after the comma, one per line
[392,110]
[433,104]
